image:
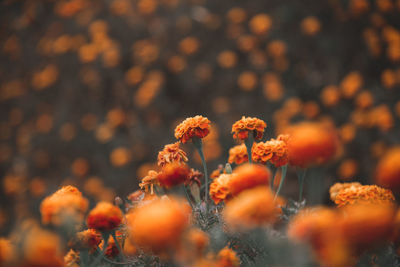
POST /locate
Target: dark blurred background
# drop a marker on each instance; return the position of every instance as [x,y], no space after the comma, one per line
[91,90]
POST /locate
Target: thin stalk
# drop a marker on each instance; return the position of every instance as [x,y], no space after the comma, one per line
[100,256]
[283,176]
[188,197]
[301,174]
[249,144]
[121,252]
[274,171]
[198,143]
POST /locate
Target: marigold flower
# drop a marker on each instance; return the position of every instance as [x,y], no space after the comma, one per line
[71,259]
[219,190]
[194,177]
[158,226]
[241,128]
[311,143]
[336,188]
[227,258]
[366,194]
[64,204]
[173,174]
[88,239]
[104,217]
[197,126]
[274,151]
[251,208]
[247,176]
[7,252]
[238,154]
[387,172]
[149,181]
[42,248]
[171,153]
[112,249]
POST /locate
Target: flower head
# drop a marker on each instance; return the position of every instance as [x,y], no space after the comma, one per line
[171,153]
[242,127]
[227,258]
[64,204]
[366,194]
[104,217]
[149,181]
[336,188]
[251,208]
[71,259]
[387,172]
[173,174]
[7,252]
[274,151]
[158,226]
[238,154]
[311,143]
[219,190]
[88,239]
[247,176]
[197,126]
[194,177]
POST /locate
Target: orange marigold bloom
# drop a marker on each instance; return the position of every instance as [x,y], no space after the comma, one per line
[104,217]
[197,240]
[387,172]
[251,208]
[219,190]
[42,248]
[171,153]
[241,128]
[197,126]
[64,204]
[149,181]
[71,259]
[173,174]
[274,151]
[336,188]
[7,252]
[88,239]
[247,176]
[158,226]
[227,258]
[238,154]
[311,143]
[366,194]
[366,226]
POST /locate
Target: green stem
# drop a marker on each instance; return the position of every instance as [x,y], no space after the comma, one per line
[100,256]
[249,144]
[198,143]
[188,197]
[121,252]
[274,171]
[301,174]
[283,176]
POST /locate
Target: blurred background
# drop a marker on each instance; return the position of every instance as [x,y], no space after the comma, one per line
[91,90]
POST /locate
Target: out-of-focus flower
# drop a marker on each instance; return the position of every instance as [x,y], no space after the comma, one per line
[64,205]
[219,190]
[197,126]
[387,173]
[42,248]
[238,154]
[149,181]
[7,252]
[260,24]
[310,25]
[158,226]
[365,194]
[129,248]
[335,189]
[274,151]
[242,127]
[173,174]
[311,143]
[88,239]
[247,176]
[251,208]
[227,258]
[71,259]
[104,217]
[171,153]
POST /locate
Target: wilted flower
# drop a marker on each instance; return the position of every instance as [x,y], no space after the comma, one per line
[219,190]
[336,188]
[242,127]
[251,208]
[173,174]
[149,181]
[274,151]
[387,172]
[171,153]
[197,126]
[158,226]
[311,143]
[88,239]
[365,194]
[64,204]
[247,176]
[227,258]
[194,177]
[104,217]
[238,154]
